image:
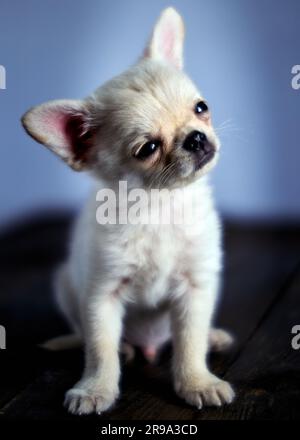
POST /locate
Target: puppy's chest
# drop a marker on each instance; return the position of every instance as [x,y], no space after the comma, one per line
[153,254]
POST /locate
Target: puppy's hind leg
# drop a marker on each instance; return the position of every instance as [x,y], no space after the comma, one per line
[219,340]
[67,303]
[65,342]
[128,351]
[66,298]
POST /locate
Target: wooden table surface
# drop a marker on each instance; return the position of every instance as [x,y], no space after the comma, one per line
[260,304]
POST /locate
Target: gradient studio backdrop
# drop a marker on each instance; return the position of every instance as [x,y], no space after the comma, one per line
[239,52]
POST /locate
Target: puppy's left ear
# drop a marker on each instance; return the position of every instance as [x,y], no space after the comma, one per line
[64,126]
[166,43]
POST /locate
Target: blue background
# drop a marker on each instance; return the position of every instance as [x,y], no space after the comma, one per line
[240,53]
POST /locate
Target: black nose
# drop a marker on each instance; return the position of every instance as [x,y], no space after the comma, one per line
[195,141]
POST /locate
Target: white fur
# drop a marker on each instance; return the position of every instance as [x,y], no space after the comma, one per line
[145,283]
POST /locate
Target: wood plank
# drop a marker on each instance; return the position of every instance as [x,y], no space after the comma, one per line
[28,253]
[267,371]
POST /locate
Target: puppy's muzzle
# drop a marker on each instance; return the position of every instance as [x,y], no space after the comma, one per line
[197,143]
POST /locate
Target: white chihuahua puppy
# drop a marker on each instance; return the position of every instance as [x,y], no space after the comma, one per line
[141,284]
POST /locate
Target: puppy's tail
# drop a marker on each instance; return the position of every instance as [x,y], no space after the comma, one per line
[65,342]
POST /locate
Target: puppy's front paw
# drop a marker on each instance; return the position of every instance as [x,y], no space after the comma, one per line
[205,390]
[83,401]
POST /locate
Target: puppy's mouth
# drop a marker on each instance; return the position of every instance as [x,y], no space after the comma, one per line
[202,158]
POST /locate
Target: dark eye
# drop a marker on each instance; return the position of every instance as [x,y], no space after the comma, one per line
[201,107]
[147,149]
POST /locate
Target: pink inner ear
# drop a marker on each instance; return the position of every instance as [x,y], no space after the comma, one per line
[168,41]
[57,121]
[54,123]
[67,126]
[67,131]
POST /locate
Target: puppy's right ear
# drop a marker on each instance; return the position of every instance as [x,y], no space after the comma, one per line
[64,126]
[166,43]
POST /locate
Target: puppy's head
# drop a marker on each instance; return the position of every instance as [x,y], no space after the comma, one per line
[150,125]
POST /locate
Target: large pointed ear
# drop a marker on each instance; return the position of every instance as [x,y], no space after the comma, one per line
[65,127]
[166,43]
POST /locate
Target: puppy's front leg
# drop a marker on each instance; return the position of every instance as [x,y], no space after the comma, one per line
[191,316]
[99,387]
